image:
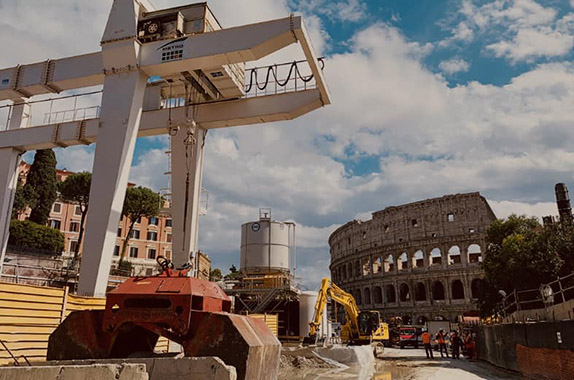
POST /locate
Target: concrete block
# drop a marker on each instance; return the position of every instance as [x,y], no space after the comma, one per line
[76,372]
[349,355]
[160,368]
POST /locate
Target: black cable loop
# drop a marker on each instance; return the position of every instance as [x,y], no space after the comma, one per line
[273,70]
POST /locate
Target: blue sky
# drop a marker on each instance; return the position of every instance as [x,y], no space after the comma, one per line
[429,98]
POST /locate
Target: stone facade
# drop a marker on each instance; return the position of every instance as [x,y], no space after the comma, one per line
[419,261]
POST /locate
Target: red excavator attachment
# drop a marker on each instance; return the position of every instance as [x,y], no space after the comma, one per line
[192,312]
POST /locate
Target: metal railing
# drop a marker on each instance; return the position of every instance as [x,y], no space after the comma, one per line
[72,115]
[279,79]
[562,291]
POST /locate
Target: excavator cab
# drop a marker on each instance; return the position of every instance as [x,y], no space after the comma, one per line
[369,322]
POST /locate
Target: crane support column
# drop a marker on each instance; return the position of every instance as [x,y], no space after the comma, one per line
[9,176]
[124,87]
[187,170]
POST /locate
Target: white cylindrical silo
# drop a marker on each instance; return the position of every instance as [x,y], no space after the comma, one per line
[307,302]
[265,247]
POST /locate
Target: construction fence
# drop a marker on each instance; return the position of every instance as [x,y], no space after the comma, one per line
[29,314]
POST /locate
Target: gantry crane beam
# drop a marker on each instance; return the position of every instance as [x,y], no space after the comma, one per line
[125,65]
[222,47]
[232,113]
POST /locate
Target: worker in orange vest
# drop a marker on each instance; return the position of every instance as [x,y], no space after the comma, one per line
[427,343]
[441,343]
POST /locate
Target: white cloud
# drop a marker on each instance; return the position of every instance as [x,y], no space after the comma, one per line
[350,10]
[510,142]
[519,30]
[533,43]
[504,209]
[453,66]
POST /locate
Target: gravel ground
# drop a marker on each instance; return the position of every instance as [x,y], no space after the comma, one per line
[394,364]
[412,364]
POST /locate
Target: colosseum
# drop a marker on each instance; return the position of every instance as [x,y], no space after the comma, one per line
[419,261]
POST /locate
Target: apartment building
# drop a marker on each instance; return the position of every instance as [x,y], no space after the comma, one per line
[151,237]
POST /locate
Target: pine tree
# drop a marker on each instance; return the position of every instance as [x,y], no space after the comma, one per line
[41,185]
[76,189]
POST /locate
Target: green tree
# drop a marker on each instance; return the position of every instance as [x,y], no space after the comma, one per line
[20,200]
[41,185]
[140,202]
[233,273]
[30,235]
[76,189]
[215,275]
[518,257]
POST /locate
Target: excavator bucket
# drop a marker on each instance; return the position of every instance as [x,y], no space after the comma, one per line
[241,341]
[191,312]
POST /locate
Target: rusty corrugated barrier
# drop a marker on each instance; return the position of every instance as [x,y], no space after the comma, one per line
[29,314]
[271,320]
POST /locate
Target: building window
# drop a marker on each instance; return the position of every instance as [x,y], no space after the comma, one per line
[117,250]
[168,255]
[153,221]
[139,220]
[387,229]
[73,245]
[450,217]
[414,223]
[78,211]
[168,222]
[74,226]
[471,230]
[135,234]
[133,251]
[119,231]
[152,235]
[168,238]
[151,253]
[57,208]
[55,224]
[433,234]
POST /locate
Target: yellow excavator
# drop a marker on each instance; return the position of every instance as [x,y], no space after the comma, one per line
[360,328]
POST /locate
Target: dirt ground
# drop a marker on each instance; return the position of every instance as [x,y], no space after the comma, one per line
[394,364]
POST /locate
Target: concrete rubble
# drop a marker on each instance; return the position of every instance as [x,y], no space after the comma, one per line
[156,368]
[122,371]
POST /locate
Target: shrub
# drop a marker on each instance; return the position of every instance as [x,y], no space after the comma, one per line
[30,235]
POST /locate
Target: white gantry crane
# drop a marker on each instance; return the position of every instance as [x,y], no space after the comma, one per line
[173,71]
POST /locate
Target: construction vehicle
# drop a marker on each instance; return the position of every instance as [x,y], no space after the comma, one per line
[360,328]
[192,312]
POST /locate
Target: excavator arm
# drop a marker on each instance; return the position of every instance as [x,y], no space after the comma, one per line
[319,307]
[332,291]
[351,310]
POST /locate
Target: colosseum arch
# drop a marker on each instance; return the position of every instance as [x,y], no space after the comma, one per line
[477,287]
[389,264]
[438,291]
[377,265]
[377,294]
[454,256]
[349,270]
[474,253]
[357,268]
[366,266]
[420,292]
[403,261]
[404,292]
[419,259]
[391,294]
[367,297]
[457,290]
[435,257]
[358,298]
